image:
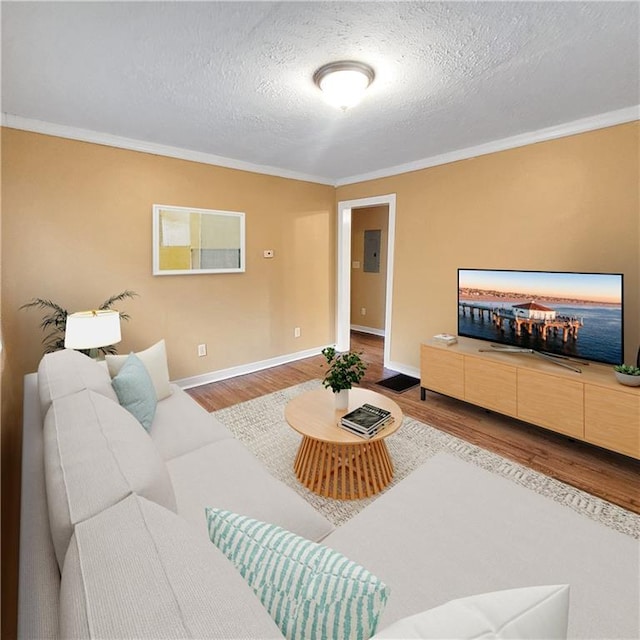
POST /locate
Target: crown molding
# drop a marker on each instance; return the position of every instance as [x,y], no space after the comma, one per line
[601,121]
[106,139]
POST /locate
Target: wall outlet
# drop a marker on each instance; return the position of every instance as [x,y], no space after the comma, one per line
[355,264]
[363,311]
[202,350]
[267,253]
[296,332]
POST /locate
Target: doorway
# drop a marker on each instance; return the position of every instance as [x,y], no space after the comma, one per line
[369,227]
[343,311]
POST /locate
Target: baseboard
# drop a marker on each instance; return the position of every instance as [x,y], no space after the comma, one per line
[251,367]
[403,368]
[371,330]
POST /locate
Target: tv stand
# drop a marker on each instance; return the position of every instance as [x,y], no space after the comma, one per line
[561,361]
[590,406]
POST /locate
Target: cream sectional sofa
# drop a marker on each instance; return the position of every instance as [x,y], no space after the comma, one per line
[114,540]
[92,477]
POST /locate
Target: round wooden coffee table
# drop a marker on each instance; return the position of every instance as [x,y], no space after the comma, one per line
[333,462]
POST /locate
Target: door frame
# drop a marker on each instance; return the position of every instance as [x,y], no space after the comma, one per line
[343,304]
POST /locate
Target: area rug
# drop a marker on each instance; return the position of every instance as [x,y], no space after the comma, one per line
[399,383]
[261,426]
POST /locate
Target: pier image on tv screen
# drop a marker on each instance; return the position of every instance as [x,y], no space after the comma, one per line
[571,314]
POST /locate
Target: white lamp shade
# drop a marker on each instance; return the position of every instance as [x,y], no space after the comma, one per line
[92,329]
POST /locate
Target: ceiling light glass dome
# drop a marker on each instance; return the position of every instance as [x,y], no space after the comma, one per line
[343,83]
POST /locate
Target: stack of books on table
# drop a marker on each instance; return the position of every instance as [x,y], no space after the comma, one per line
[366,421]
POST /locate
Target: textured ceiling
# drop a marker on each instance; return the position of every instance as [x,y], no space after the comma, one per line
[234,78]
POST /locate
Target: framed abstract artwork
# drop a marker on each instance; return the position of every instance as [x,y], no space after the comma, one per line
[189,241]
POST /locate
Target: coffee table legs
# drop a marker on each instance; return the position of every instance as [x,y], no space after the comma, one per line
[343,471]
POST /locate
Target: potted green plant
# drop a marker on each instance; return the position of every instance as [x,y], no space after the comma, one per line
[345,370]
[56,321]
[627,374]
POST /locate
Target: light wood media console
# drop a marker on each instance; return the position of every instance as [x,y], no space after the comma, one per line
[590,406]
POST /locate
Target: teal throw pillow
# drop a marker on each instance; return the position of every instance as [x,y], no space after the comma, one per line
[135,390]
[311,591]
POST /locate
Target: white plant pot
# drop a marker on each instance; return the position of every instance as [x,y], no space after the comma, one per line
[342,399]
[625,378]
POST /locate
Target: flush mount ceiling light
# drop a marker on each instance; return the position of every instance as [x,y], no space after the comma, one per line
[344,83]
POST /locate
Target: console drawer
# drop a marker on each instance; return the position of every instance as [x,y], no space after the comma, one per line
[552,402]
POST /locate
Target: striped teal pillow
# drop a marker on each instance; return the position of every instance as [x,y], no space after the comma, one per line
[311,591]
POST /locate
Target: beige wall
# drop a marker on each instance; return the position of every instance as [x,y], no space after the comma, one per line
[570,205]
[76,228]
[77,225]
[368,289]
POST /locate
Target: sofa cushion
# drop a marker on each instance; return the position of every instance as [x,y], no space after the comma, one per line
[67,371]
[135,391]
[95,454]
[226,475]
[182,425]
[311,591]
[137,570]
[529,613]
[155,360]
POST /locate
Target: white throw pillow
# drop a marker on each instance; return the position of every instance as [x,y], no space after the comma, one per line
[155,360]
[527,613]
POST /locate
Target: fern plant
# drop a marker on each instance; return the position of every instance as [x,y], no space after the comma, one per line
[55,321]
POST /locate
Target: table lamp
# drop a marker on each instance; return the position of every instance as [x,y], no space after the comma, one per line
[92,330]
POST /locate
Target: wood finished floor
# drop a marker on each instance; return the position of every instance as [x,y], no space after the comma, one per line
[614,477]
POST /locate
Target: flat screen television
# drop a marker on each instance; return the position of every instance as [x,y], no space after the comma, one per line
[577,315]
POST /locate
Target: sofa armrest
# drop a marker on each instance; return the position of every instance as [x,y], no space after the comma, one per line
[39,577]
